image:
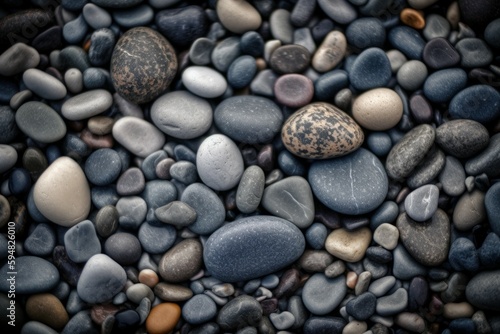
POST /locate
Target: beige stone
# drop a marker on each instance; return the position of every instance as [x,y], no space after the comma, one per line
[410,321]
[458,310]
[238,16]
[331,52]
[348,245]
[355,327]
[62,193]
[387,236]
[378,109]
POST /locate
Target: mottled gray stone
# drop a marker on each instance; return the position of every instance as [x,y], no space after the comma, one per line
[46,278]
[462,138]
[250,189]
[427,170]
[81,242]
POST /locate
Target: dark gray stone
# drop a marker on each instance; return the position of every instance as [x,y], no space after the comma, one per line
[156,239]
[483,290]
[176,213]
[452,177]
[463,255]
[442,86]
[428,169]
[362,307]
[393,303]
[131,182]
[250,189]
[491,201]
[80,323]
[404,266]
[371,69]
[46,278]
[182,261]
[199,309]
[462,138]
[41,241]
[123,247]
[487,161]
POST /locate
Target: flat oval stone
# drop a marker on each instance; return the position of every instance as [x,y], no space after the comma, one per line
[469,210]
[331,52]
[290,59]
[321,131]
[40,122]
[182,261]
[171,292]
[199,309]
[250,189]
[143,65]
[378,109]
[238,16]
[486,161]
[204,81]
[140,15]
[324,324]
[428,242]
[409,151]
[47,309]
[101,279]
[86,105]
[43,84]
[462,138]
[482,290]
[371,69]
[365,33]
[354,184]
[210,212]
[480,103]
[219,162]
[96,17]
[63,185]
[229,250]
[408,41]
[18,58]
[248,119]
[348,245]
[163,318]
[240,312]
[293,90]
[138,136]
[442,86]
[46,278]
[241,72]
[452,177]
[439,53]
[340,11]
[280,26]
[321,295]
[422,203]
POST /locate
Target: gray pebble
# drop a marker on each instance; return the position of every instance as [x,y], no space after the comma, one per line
[225,52]
[412,75]
[263,83]
[131,211]
[200,51]
[452,177]
[8,156]
[86,105]
[139,291]
[210,212]
[131,182]
[239,312]
[422,202]
[156,239]
[392,304]
[281,28]
[46,127]
[18,58]
[74,80]
[106,221]
[137,16]
[340,11]
[436,26]
[487,161]
[204,81]
[250,189]
[428,169]
[321,294]
[41,241]
[182,261]
[184,171]
[283,320]
[75,30]
[382,285]
[96,17]
[20,98]
[123,248]
[44,85]
[138,136]
[404,266]
[176,213]
[199,309]
[81,242]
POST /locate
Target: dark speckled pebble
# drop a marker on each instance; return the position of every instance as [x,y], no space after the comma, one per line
[408,41]
[371,69]
[462,138]
[124,248]
[366,32]
[103,166]
[241,72]
[328,324]
[474,52]
[102,42]
[480,103]
[182,26]
[439,53]
[329,84]
[463,255]
[252,44]
[290,59]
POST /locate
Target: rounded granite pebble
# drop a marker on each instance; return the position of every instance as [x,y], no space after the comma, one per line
[204,81]
[378,109]
[412,75]
[40,122]
[143,65]
[293,90]
[103,166]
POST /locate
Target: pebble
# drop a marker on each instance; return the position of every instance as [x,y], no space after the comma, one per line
[321,295]
[386,235]
[330,53]
[40,122]
[106,221]
[359,180]
[422,203]
[96,17]
[366,32]
[293,90]
[200,51]
[486,161]
[17,59]
[176,213]
[443,85]
[252,44]
[491,34]
[482,289]
[332,133]
[156,239]
[209,209]
[280,26]
[378,109]
[462,138]
[408,41]
[228,261]
[8,126]
[81,242]
[467,104]
[140,15]
[75,30]
[8,157]
[474,52]
[103,166]
[43,84]
[488,253]
[315,260]
[410,321]
[393,303]
[124,248]
[131,182]
[381,286]
[250,189]
[340,11]
[290,59]
[439,53]
[138,136]
[224,54]
[33,326]
[204,81]
[86,105]
[219,162]
[241,72]
[325,324]
[404,266]
[102,42]
[452,177]
[139,55]
[171,292]
[492,210]
[73,79]
[41,241]
[26,283]
[238,16]
[63,185]
[182,26]
[371,69]
[428,169]
[47,309]
[412,75]
[239,312]
[182,261]
[362,307]
[163,318]
[348,245]
[248,119]
[199,309]
[138,291]
[463,255]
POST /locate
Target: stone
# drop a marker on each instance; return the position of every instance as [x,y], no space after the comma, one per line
[248,119]
[482,290]
[486,161]
[405,266]
[365,33]
[439,53]
[204,81]
[467,104]
[172,292]
[443,85]
[86,105]
[43,84]
[182,261]
[199,309]
[225,53]
[469,210]
[124,248]
[47,309]
[422,203]
[290,59]
[63,185]
[46,279]
[340,11]
[102,42]
[393,303]
[182,26]
[452,177]
[280,26]
[291,199]
[238,313]
[458,310]
[381,286]
[103,166]
[407,40]
[321,295]
[348,245]
[354,184]
[324,324]
[241,72]
[238,16]
[156,239]
[8,126]
[371,69]
[209,209]
[101,279]
[250,189]
[40,122]
[138,136]
[9,158]
[474,52]
[143,65]
[200,50]
[463,255]
[81,242]
[163,318]
[293,90]
[330,53]
[315,260]
[219,162]
[362,307]
[386,235]
[321,131]
[228,260]
[410,321]
[378,109]
[17,59]
[412,75]
[131,182]
[462,138]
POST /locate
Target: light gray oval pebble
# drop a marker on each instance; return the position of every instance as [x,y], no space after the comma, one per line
[452,177]
[44,85]
[280,25]
[96,17]
[138,136]
[250,189]
[204,81]
[18,58]
[321,294]
[86,105]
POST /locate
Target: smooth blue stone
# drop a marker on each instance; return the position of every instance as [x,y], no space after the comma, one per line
[371,69]
[158,193]
[199,309]
[316,325]
[290,164]
[94,78]
[252,44]
[157,239]
[134,17]
[102,196]
[442,86]
[182,26]
[241,72]
[33,210]
[404,266]
[74,56]
[19,181]
[148,166]
[462,326]
[321,29]
[101,46]
[46,278]
[316,235]
[329,84]
[492,34]
[8,89]
[210,212]
[379,143]
[489,253]
[103,167]
[463,255]
[75,148]
[74,31]
[73,5]
[408,41]
[182,152]
[491,201]
[81,242]
[232,254]
[184,171]
[41,241]
[362,307]
[365,33]
[480,103]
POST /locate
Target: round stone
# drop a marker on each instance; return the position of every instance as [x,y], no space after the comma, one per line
[480,103]
[229,250]
[452,177]
[143,65]
[441,86]
[378,109]
[138,136]
[290,59]
[103,166]
[293,90]
[340,11]
[18,58]
[131,182]
[321,131]
[210,212]
[412,75]
[371,69]
[354,184]
[124,248]
[407,40]
[422,203]
[182,25]
[199,309]
[238,16]
[321,295]
[86,105]
[40,122]
[163,318]
[204,81]
[348,245]
[366,32]
[182,261]
[362,307]
[43,84]
[47,309]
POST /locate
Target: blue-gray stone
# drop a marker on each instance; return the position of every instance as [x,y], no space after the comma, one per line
[199,309]
[102,196]
[148,166]
[487,161]
[184,171]
[302,12]
[74,31]
[250,189]
[81,242]
[116,3]
[182,152]
[158,193]
[156,239]
[19,181]
[252,44]
[483,290]
[422,203]
[263,84]
[492,34]
[442,86]
[462,326]
[340,11]
[74,56]
[316,235]
[321,295]
[74,5]
[436,26]
[103,167]
[474,53]
[491,201]
[393,303]
[379,143]
[316,325]
[225,53]
[381,286]
[452,177]
[26,282]
[248,119]
[365,33]
[182,26]
[240,312]
[353,184]
[407,40]
[232,254]
[462,138]
[371,69]
[210,212]
[134,17]
[329,84]
[362,307]
[40,122]
[200,51]
[102,42]
[41,241]
[463,255]
[96,17]
[132,211]
[480,103]
[80,323]
[94,78]
[36,327]
[404,266]
[123,248]
[241,72]
[489,253]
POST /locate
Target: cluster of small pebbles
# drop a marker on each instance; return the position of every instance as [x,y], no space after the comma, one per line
[250,166]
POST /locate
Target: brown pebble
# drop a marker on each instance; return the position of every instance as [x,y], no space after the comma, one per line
[269,306]
[163,318]
[412,18]
[162,169]
[47,309]
[351,280]
[289,282]
[172,292]
[100,312]
[100,125]
[266,158]
[261,64]
[148,277]
[95,141]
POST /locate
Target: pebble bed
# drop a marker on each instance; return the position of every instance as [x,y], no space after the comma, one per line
[250,166]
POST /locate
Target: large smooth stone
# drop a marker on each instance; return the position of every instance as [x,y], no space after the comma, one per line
[101,279]
[252,247]
[143,65]
[487,161]
[321,131]
[480,103]
[462,138]
[33,275]
[483,290]
[321,295]
[354,184]
[40,122]
[138,136]
[62,193]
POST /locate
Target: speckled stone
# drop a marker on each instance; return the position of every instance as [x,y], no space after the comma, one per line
[462,138]
[483,290]
[182,261]
[330,53]
[143,65]
[321,131]
[378,109]
[239,313]
[231,253]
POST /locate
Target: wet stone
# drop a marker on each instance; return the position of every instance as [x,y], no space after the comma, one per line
[408,41]
[366,32]
[41,241]
[239,312]
[199,309]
